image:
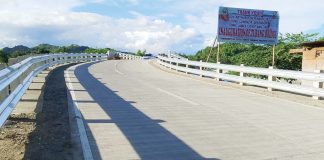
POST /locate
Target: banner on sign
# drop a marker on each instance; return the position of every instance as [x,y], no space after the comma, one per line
[238,25]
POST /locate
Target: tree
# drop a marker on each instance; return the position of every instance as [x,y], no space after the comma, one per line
[259,55]
[3,57]
[98,51]
[42,51]
[140,53]
[321,39]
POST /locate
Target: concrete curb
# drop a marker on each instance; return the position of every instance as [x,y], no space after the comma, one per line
[79,135]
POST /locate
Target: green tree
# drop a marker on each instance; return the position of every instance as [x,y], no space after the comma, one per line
[42,51]
[3,57]
[97,51]
[259,55]
[140,53]
[321,39]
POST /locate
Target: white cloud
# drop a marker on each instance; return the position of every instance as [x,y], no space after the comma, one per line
[295,16]
[31,22]
[63,26]
[22,6]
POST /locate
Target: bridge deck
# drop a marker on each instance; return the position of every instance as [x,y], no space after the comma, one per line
[135,111]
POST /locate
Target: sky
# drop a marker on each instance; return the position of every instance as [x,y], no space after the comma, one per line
[158,26]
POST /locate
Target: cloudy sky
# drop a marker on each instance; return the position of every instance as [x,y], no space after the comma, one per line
[156,25]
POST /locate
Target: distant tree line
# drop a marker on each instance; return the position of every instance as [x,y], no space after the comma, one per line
[259,55]
[21,50]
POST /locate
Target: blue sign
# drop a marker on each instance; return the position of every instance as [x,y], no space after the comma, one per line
[238,25]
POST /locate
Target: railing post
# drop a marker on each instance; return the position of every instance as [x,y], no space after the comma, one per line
[59,60]
[64,59]
[187,66]
[77,59]
[271,78]
[317,84]
[219,71]
[84,58]
[201,68]
[242,74]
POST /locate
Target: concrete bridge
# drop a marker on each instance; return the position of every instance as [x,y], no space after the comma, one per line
[138,110]
[166,108]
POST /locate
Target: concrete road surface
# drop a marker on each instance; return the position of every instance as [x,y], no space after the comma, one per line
[133,110]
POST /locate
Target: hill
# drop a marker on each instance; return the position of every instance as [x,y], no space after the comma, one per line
[20,50]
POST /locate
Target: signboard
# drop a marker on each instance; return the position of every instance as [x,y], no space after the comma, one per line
[238,25]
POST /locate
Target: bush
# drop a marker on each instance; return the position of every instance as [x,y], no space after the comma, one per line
[259,55]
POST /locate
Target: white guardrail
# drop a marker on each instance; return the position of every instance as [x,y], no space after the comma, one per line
[215,71]
[128,56]
[15,79]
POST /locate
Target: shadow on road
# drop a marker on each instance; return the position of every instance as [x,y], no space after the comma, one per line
[51,138]
[148,138]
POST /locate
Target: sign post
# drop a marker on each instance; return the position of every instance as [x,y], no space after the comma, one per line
[218,45]
[273,55]
[211,49]
[238,25]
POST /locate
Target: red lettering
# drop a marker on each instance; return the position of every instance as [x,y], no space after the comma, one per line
[241,32]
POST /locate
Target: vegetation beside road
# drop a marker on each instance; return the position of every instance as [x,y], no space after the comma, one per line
[21,50]
[248,54]
[259,55]
[140,53]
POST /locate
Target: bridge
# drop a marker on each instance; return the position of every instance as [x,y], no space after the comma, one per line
[171,108]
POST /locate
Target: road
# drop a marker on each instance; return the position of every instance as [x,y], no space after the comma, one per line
[133,110]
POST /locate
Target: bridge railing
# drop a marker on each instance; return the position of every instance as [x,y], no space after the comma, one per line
[172,55]
[268,75]
[128,56]
[15,79]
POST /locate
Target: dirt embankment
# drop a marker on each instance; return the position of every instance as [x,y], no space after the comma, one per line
[14,136]
[45,135]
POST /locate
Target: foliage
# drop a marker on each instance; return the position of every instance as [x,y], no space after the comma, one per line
[321,39]
[3,57]
[21,50]
[92,50]
[140,53]
[259,55]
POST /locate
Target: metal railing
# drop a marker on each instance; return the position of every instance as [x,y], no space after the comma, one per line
[128,56]
[214,70]
[15,79]
[172,55]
